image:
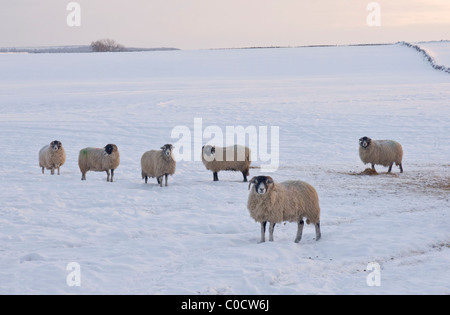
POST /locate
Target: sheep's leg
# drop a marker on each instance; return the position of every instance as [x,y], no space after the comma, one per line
[157,179]
[216,177]
[245,176]
[59,171]
[271,228]
[390,168]
[83,176]
[112,175]
[373,166]
[160,181]
[43,170]
[146,178]
[301,224]
[318,234]
[263,231]
[401,168]
[107,177]
[52,171]
[166,175]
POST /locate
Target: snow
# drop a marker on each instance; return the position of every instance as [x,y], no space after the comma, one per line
[439,51]
[196,236]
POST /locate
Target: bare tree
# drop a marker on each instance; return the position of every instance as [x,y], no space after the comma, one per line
[107,44]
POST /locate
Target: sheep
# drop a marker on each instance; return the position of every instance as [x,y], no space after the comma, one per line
[287,201]
[381,152]
[158,163]
[52,157]
[99,160]
[233,158]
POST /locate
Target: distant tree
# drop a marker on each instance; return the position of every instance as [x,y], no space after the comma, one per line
[107,44]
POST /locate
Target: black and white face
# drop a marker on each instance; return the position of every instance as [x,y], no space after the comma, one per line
[261,184]
[208,151]
[364,142]
[167,149]
[109,149]
[55,145]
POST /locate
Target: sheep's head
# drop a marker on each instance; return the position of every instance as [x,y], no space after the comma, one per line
[167,150]
[262,184]
[55,145]
[209,152]
[109,149]
[365,142]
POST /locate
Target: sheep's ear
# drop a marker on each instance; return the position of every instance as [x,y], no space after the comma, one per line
[254,180]
[269,180]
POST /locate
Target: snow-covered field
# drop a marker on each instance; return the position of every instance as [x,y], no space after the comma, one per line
[439,51]
[196,236]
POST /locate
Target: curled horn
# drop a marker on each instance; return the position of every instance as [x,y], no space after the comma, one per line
[252,181]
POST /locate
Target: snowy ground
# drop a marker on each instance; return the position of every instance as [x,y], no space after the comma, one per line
[439,51]
[196,236]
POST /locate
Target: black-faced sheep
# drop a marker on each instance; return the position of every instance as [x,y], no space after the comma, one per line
[233,158]
[99,160]
[287,201]
[52,157]
[158,163]
[381,152]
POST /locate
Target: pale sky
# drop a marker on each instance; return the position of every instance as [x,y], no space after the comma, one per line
[197,24]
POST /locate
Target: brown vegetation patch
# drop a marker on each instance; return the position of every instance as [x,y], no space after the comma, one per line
[370,172]
[440,184]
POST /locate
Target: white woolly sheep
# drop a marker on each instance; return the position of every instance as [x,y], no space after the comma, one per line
[52,157]
[381,152]
[287,201]
[99,160]
[233,158]
[158,163]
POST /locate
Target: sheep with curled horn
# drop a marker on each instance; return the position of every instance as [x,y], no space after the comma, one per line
[381,152]
[290,201]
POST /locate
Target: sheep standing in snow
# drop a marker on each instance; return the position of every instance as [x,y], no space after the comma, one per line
[52,157]
[158,163]
[99,160]
[233,158]
[381,152]
[287,201]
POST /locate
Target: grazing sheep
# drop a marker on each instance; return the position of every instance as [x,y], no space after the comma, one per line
[233,158]
[99,160]
[381,152]
[52,157]
[287,201]
[158,163]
